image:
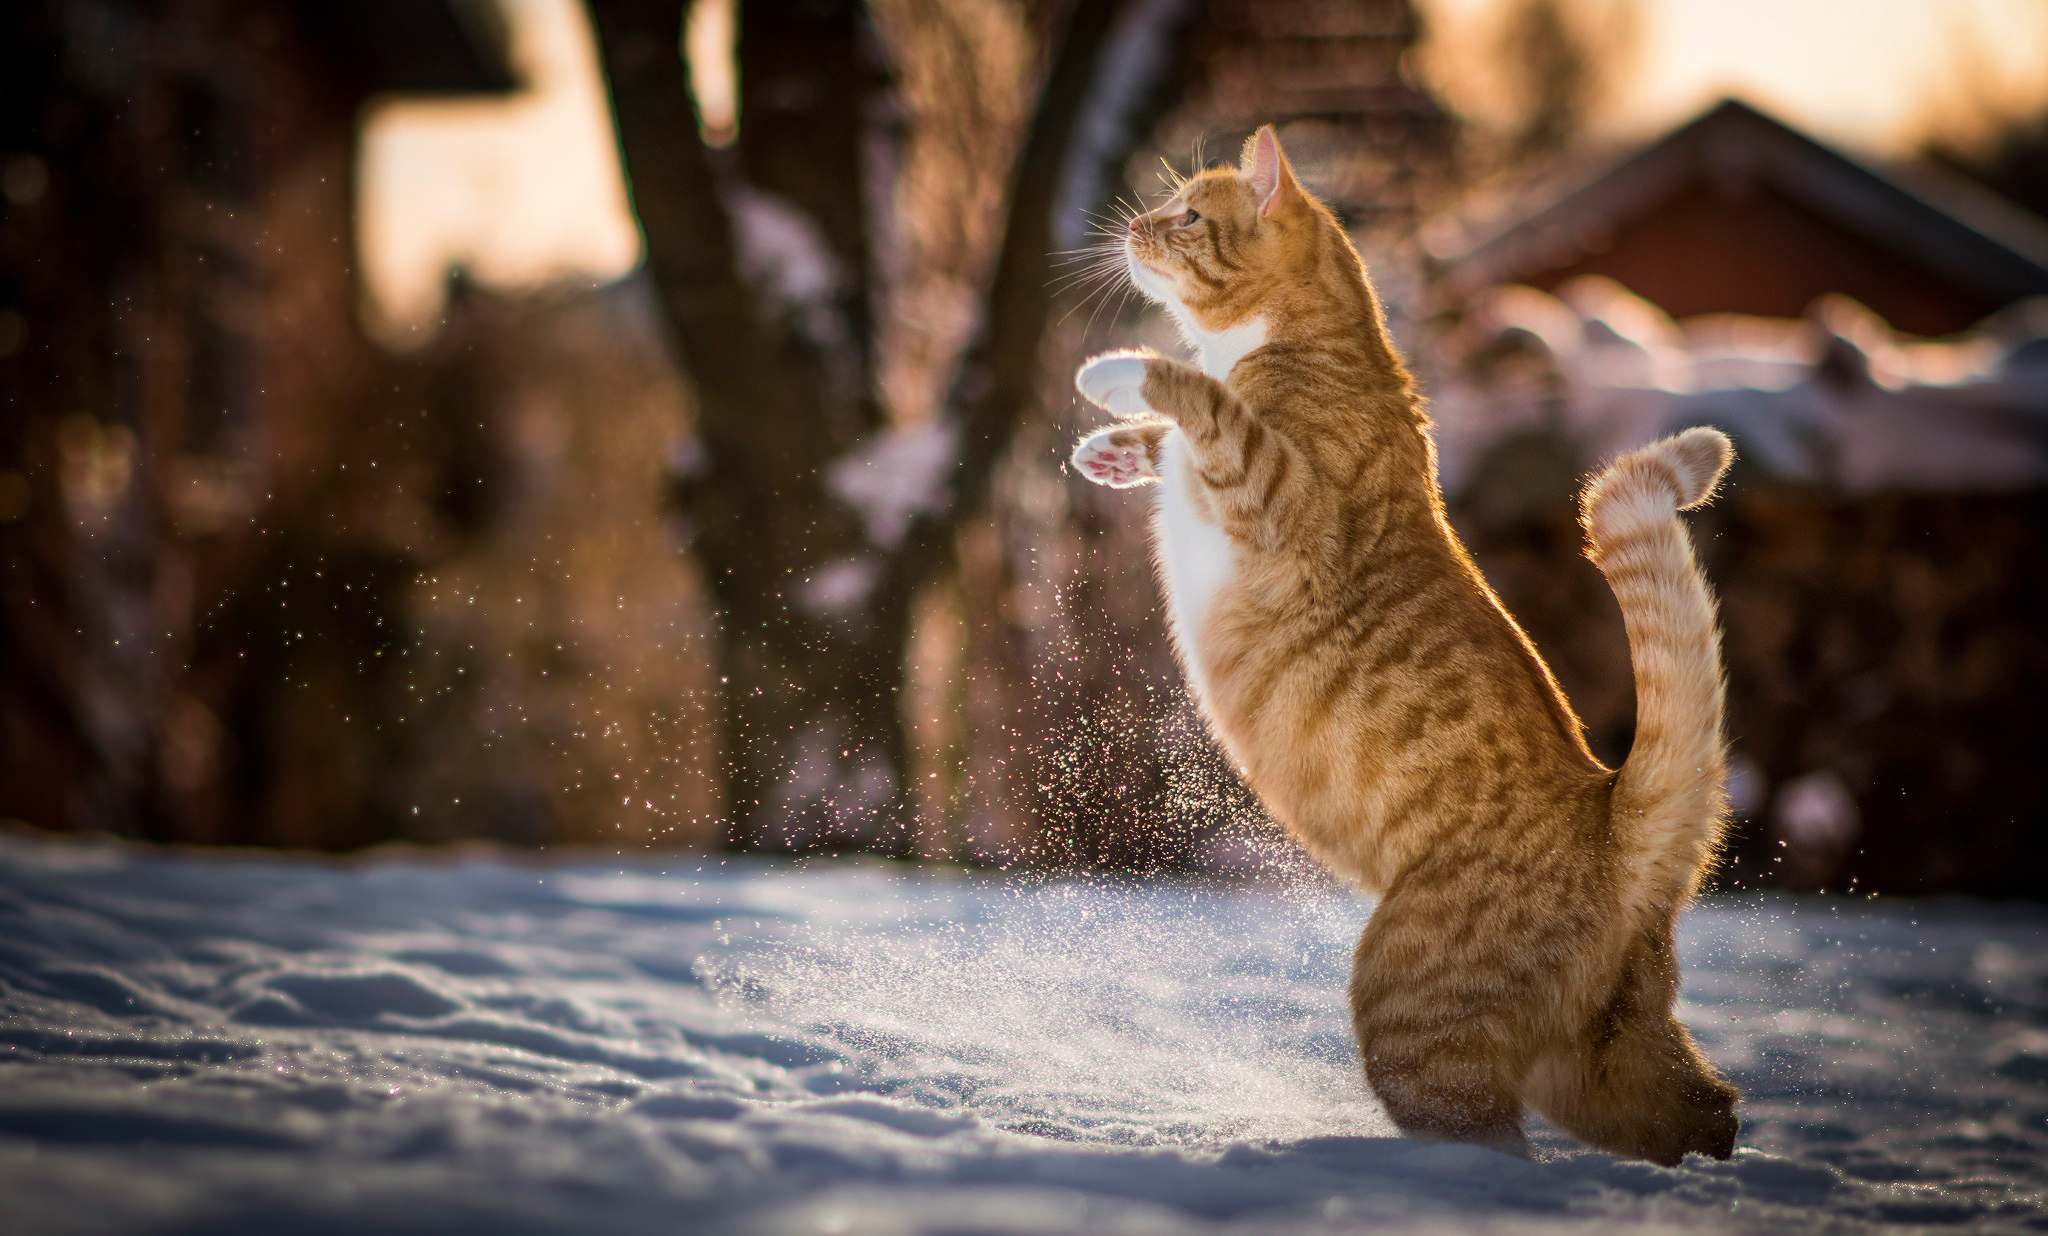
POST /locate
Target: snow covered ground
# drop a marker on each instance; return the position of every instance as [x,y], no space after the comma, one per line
[214,1045]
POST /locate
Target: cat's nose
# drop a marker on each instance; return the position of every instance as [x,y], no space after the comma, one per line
[1137,225]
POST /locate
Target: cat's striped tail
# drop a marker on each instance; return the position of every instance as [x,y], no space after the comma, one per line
[1670,804]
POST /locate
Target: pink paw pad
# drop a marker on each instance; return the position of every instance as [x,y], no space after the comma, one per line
[1107,463]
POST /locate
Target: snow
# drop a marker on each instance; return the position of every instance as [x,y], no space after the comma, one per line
[785,256]
[1839,398]
[839,588]
[198,1044]
[898,475]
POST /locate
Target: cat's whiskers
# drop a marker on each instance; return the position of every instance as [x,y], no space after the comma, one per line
[1088,264]
[1175,182]
[1097,268]
[1099,283]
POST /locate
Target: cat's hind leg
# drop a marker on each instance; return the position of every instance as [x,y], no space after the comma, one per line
[1636,1084]
[1446,1041]
[1122,455]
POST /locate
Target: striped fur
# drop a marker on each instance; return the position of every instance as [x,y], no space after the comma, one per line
[1388,710]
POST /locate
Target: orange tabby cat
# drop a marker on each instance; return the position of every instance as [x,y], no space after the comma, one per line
[1388,710]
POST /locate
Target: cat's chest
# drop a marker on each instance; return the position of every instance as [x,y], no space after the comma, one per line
[1217,352]
[1196,556]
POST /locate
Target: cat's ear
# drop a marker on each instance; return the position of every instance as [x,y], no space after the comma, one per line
[1265,165]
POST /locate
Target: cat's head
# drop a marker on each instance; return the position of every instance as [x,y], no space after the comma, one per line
[1230,238]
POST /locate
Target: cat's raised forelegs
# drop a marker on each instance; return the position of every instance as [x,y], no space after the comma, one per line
[1254,475]
[1222,429]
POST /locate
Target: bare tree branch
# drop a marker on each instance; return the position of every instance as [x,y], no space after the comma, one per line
[814,602]
[1117,71]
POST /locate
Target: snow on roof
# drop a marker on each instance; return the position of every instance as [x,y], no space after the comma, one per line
[1837,399]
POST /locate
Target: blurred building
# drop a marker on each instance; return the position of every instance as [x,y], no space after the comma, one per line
[1877,552]
[1738,213]
[233,532]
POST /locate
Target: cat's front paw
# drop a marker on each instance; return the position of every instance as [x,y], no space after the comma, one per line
[1115,382]
[1120,457]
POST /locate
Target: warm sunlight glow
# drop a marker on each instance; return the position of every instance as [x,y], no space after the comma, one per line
[1872,74]
[520,191]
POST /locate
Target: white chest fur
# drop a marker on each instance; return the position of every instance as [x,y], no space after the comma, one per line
[1221,350]
[1195,553]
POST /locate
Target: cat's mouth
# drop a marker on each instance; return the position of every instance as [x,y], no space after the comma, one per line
[1155,284]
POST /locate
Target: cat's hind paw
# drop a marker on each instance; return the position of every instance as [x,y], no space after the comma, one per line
[1121,456]
[1115,382]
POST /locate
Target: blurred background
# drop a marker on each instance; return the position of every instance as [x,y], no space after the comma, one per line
[643,425]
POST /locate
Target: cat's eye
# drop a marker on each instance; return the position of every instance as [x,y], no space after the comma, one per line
[1186,219]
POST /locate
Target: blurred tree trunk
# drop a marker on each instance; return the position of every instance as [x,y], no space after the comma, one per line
[815,518]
